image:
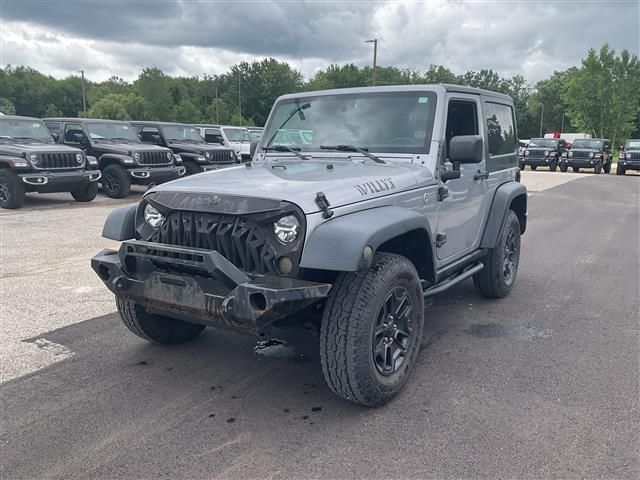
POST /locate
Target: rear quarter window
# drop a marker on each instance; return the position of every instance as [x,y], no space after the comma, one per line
[501,130]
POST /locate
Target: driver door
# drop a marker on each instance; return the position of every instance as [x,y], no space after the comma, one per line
[460,204]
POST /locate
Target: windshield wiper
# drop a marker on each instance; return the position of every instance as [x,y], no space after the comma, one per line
[41,140]
[352,148]
[284,148]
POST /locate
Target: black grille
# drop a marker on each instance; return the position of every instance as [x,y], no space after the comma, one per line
[154,158]
[240,240]
[222,157]
[634,155]
[579,154]
[55,161]
[536,153]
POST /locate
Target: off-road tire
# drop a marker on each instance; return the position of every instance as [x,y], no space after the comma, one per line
[620,170]
[563,167]
[491,281]
[553,165]
[576,169]
[191,168]
[533,167]
[155,328]
[12,194]
[521,165]
[87,194]
[348,326]
[597,169]
[115,181]
[607,167]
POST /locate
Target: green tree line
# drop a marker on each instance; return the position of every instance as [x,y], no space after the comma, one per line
[601,96]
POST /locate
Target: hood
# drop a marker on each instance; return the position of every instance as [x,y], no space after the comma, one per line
[243,147]
[342,182]
[123,148]
[9,148]
[197,147]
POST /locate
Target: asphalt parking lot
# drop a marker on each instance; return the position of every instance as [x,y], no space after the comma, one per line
[544,383]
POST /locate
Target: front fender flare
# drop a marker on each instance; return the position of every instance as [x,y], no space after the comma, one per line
[118,157]
[121,223]
[502,200]
[338,244]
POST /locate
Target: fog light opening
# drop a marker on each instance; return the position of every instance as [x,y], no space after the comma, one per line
[258,301]
[104,273]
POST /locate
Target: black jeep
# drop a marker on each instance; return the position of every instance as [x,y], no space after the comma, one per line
[122,157]
[543,152]
[186,141]
[629,157]
[588,153]
[30,161]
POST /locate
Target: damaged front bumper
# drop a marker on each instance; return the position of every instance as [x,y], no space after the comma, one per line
[201,286]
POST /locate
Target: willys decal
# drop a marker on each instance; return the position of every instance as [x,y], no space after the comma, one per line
[375,186]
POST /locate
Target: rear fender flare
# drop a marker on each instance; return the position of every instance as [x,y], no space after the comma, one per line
[511,195]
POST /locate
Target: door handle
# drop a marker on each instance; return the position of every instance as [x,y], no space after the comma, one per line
[481,175]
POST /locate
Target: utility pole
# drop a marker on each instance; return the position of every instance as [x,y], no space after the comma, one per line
[541,119]
[84,99]
[239,99]
[562,126]
[217,118]
[375,58]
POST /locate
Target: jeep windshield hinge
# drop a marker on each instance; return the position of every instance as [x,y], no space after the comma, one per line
[323,204]
[441,239]
[443,192]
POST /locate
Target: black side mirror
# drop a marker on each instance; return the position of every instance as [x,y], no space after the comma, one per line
[252,148]
[55,137]
[466,149]
[157,139]
[79,138]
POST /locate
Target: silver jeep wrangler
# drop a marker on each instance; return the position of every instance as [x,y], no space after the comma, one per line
[358,204]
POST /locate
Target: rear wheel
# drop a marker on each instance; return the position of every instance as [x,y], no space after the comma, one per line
[563,167]
[155,328]
[576,169]
[521,165]
[620,170]
[498,276]
[607,167]
[87,194]
[598,168]
[11,189]
[371,330]
[115,181]
[553,165]
[534,167]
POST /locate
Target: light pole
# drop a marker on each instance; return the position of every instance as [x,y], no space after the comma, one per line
[375,58]
[84,100]
[239,99]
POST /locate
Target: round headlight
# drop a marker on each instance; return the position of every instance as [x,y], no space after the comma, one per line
[526,152]
[79,157]
[570,154]
[169,155]
[592,154]
[152,216]
[628,155]
[34,159]
[207,155]
[136,157]
[287,229]
[546,154]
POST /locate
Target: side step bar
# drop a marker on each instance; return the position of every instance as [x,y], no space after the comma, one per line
[450,282]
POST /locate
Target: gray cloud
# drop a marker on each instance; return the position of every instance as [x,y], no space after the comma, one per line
[193,37]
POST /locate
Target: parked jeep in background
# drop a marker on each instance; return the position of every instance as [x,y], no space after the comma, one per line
[629,157]
[236,138]
[543,152]
[588,153]
[255,133]
[122,157]
[30,161]
[399,195]
[185,140]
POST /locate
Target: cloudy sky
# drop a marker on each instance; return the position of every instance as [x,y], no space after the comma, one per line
[189,37]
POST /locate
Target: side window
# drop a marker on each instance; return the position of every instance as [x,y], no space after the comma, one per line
[212,135]
[73,133]
[462,119]
[147,134]
[54,127]
[501,130]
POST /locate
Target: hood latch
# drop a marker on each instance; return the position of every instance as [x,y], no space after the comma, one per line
[323,204]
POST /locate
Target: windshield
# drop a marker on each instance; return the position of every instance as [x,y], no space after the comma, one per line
[237,134]
[632,145]
[380,121]
[255,135]
[182,132]
[543,142]
[111,130]
[587,143]
[24,128]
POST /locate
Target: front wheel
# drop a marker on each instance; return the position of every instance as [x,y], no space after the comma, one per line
[498,276]
[534,167]
[553,165]
[563,167]
[576,169]
[371,330]
[155,328]
[620,170]
[115,181]
[11,189]
[87,194]
[607,167]
[597,169]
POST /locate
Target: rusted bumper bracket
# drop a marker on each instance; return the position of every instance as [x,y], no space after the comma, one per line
[201,286]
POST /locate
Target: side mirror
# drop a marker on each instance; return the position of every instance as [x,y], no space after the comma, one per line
[79,138]
[253,147]
[466,149]
[55,137]
[157,139]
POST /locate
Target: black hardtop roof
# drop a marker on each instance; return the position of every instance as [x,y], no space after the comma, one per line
[597,139]
[151,122]
[83,120]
